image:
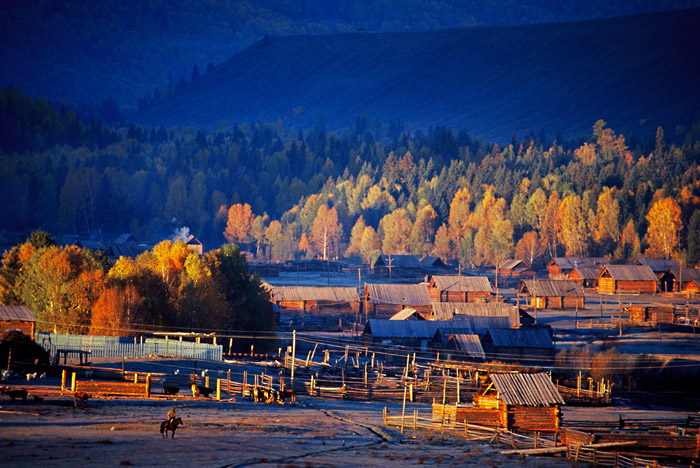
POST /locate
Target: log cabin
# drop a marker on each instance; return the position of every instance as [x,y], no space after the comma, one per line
[551,294]
[525,402]
[398,266]
[489,315]
[459,288]
[560,267]
[626,279]
[515,268]
[384,300]
[586,277]
[329,300]
[17,318]
[686,280]
[529,346]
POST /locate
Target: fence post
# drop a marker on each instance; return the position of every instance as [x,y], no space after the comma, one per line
[72,383]
[403,410]
[63,379]
[228,381]
[384,415]
[218,389]
[415,419]
[148,385]
[206,381]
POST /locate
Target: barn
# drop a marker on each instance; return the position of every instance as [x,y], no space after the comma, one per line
[384,300]
[686,280]
[560,267]
[626,279]
[18,318]
[551,294]
[526,402]
[459,288]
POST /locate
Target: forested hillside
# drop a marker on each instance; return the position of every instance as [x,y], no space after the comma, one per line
[635,72]
[372,187]
[75,51]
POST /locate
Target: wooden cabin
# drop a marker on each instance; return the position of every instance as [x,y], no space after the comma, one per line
[652,314]
[515,268]
[560,267]
[464,346]
[551,294]
[328,300]
[459,288]
[384,300]
[526,402]
[431,263]
[397,266]
[586,277]
[686,280]
[626,279]
[529,346]
[194,244]
[414,333]
[17,318]
[479,315]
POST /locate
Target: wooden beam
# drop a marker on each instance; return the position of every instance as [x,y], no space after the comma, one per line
[540,451]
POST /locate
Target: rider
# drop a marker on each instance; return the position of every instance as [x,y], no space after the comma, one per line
[172,415]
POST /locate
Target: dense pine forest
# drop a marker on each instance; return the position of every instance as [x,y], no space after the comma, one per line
[289,193]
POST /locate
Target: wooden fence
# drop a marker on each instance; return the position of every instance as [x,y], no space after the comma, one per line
[114,346]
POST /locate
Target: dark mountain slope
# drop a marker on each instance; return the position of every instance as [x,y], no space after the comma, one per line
[634,72]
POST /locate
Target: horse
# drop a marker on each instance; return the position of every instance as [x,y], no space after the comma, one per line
[170,425]
[80,399]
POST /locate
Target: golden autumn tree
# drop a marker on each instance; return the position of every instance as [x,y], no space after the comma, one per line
[629,247]
[119,311]
[355,243]
[529,247]
[240,220]
[444,247]
[573,226]
[663,233]
[370,243]
[326,231]
[423,231]
[459,213]
[394,230]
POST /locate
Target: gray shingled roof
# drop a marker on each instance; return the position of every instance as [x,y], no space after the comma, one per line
[16,313]
[468,343]
[505,315]
[407,294]
[462,283]
[658,265]
[629,272]
[526,389]
[588,273]
[552,288]
[570,263]
[521,338]
[413,329]
[313,293]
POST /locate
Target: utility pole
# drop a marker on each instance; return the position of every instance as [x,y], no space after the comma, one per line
[389,266]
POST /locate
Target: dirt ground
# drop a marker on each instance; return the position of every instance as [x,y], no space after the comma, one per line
[315,432]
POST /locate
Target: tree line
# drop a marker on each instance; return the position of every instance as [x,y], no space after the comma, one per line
[372,187]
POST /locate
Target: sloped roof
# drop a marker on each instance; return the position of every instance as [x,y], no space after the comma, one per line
[513,264]
[658,265]
[687,275]
[431,261]
[552,288]
[570,263]
[484,323]
[408,294]
[314,293]
[16,314]
[398,261]
[462,283]
[498,313]
[526,389]
[588,273]
[469,343]
[521,338]
[124,238]
[629,272]
[413,329]
[406,314]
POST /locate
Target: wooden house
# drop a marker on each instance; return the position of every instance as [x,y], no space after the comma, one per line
[194,244]
[431,263]
[551,294]
[397,266]
[17,318]
[560,267]
[658,265]
[626,279]
[653,314]
[329,300]
[530,346]
[384,300]
[480,315]
[686,280]
[464,345]
[459,288]
[414,333]
[587,277]
[515,268]
[525,402]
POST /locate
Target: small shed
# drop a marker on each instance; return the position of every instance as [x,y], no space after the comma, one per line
[686,280]
[194,244]
[626,279]
[551,294]
[397,266]
[526,402]
[653,314]
[560,267]
[587,277]
[18,318]
[415,333]
[481,316]
[526,345]
[384,300]
[459,288]
[515,268]
[431,263]
[317,299]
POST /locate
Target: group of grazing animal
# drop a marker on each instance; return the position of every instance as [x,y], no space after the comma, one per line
[170,425]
